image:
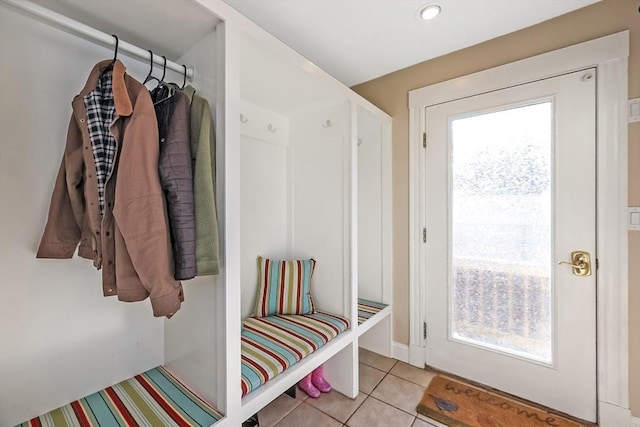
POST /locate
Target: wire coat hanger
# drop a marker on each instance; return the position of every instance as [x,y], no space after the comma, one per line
[115,56]
[115,51]
[164,68]
[161,82]
[184,77]
[149,76]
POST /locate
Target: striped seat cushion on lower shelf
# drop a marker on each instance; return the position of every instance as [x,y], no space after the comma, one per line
[367,309]
[272,344]
[154,398]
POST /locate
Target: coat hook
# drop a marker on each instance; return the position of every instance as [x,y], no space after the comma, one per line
[243,119]
[270,128]
[326,124]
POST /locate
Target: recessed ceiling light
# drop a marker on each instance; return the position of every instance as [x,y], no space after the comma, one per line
[430,11]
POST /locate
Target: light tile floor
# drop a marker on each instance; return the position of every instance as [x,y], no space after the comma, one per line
[390,390]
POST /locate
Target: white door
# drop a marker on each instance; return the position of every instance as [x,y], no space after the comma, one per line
[510,193]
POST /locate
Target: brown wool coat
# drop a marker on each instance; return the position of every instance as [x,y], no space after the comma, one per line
[129,242]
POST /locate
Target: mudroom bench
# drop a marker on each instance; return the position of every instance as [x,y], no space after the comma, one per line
[279,350]
[153,398]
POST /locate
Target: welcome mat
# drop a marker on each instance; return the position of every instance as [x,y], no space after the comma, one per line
[458,404]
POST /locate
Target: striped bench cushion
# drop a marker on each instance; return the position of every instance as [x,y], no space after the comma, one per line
[154,398]
[367,309]
[272,344]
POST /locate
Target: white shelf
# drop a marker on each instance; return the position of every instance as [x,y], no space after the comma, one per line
[374,320]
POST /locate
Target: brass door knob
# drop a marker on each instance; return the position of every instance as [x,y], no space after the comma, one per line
[580,262]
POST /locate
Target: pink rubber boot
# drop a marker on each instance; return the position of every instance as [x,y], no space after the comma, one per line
[318,380]
[306,386]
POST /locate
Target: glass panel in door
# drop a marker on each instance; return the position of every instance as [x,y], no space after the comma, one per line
[501,231]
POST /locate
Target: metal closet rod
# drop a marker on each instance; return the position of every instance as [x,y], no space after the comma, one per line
[92,33]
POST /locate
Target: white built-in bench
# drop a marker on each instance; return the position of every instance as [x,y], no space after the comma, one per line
[153,398]
[272,344]
[368,309]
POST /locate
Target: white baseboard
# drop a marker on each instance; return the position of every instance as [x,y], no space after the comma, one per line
[610,415]
[635,422]
[400,352]
[417,356]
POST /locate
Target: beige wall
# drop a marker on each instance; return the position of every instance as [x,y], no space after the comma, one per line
[390,94]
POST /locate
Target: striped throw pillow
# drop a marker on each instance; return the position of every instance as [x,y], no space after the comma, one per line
[284,287]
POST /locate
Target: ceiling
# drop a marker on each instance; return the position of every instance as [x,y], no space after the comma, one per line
[149,24]
[359,40]
[354,40]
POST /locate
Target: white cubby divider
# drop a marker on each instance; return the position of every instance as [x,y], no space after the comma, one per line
[303,170]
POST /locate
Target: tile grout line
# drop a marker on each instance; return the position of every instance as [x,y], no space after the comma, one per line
[355,410]
[406,379]
[346,423]
[275,424]
[387,373]
[367,395]
[300,402]
[387,403]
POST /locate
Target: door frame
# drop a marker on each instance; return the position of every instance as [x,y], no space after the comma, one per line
[609,56]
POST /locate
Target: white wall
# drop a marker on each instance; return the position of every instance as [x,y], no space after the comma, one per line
[294,198]
[60,339]
[295,188]
[265,207]
[370,261]
[322,202]
[193,337]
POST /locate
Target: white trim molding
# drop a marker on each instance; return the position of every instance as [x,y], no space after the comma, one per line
[612,415]
[609,56]
[417,297]
[400,352]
